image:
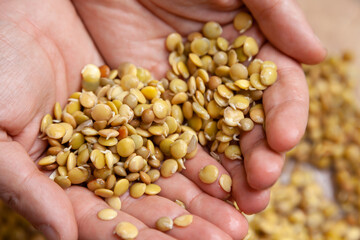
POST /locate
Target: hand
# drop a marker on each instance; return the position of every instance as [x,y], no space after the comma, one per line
[44,46]
[285,103]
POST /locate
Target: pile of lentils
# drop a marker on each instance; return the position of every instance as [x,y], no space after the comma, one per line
[300,210]
[15,227]
[126,129]
[332,138]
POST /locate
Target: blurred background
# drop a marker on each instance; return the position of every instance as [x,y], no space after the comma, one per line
[318,196]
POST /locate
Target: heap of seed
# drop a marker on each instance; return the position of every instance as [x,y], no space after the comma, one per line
[221,96]
[299,210]
[332,138]
[15,227]
[125,129]
[117,134]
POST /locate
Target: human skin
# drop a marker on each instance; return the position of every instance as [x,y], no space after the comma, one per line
[45,44]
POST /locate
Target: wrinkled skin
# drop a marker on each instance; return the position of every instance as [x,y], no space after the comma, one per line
[45,44]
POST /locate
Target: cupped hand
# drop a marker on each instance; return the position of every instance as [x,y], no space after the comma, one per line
[137,31]
[43,47]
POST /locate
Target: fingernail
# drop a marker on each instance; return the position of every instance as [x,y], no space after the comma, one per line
[49,232]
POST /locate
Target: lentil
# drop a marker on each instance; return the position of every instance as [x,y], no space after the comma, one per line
[183,221]
[209,174]
[164,224]
[152,189]
[107,214]
[225,182]
[137,190]
[168,168]
[126,230]
[242,21]
[121,187]
[91,77]
[114,202]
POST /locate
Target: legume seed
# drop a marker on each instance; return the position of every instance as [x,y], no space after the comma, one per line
[212,30]
[152,189]
[137,189]
[168,168]
[121,187]
[209,174]
[114,202]
[126,230]
[107,214]
[164,224]
[183,221]
[242,21]
[55,131]
[125,147]
[225,182]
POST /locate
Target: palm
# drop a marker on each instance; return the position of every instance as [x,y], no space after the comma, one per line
[131,31]
[135,31]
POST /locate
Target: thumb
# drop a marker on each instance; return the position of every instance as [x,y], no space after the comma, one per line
[34,195]
[284,24]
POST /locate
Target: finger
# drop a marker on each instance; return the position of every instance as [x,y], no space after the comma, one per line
[191,19]
[194,166]
[34,195]
[146,48]
[286,103]
[87,205]
[136,35]
[284,24]
[201,11]
[150,208]
[248,199]
[201,204]
[263,165]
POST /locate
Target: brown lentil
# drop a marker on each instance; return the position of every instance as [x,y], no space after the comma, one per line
[242,21]
[63,181]
[164,224]
[180,203]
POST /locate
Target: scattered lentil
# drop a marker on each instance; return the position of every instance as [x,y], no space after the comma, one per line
[225,182]
[126,230]
[107,214]
[209,174]
[242,21]
[164,224]
[183,221]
